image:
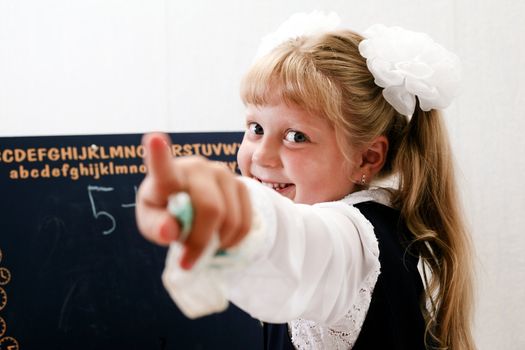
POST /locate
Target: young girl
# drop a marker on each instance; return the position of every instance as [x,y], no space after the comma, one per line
[326,259]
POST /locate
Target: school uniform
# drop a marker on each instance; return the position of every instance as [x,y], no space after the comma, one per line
[394,319]
[332,275]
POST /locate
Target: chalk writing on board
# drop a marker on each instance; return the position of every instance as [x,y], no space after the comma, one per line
[101,213]
[131,205]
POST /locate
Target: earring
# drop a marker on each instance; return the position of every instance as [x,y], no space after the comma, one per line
[363,180]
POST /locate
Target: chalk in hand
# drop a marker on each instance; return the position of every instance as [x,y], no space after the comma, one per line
[179,205]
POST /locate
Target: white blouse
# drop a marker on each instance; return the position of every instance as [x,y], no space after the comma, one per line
[313,266]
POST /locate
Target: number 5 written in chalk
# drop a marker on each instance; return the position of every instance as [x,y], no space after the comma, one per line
[98,214]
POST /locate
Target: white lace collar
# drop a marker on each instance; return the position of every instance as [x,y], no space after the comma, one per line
[376,194]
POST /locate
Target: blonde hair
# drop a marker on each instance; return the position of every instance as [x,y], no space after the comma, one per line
[326,76]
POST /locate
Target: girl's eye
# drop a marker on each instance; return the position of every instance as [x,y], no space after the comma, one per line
[296,136]
[255,129]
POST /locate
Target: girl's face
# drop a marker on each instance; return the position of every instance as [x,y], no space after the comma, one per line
[294,153]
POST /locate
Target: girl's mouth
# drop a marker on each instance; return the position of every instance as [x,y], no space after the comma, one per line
[277,186]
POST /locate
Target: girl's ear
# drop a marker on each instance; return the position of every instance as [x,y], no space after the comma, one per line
[372,159]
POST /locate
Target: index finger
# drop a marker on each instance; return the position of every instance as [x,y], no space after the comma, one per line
[159,163]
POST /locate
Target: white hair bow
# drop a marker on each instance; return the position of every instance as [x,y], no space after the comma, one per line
[409,64]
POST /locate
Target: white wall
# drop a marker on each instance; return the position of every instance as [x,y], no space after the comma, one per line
[109,66]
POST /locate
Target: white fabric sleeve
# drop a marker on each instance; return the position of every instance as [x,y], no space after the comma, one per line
[298,262]
[313,261]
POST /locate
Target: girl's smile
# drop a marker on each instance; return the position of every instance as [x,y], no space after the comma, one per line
[282,188]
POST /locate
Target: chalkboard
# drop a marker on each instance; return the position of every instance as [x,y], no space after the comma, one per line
[74,271]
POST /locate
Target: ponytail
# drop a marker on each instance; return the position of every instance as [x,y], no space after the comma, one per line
[427,198]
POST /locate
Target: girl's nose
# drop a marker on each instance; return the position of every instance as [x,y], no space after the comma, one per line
[266,154]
